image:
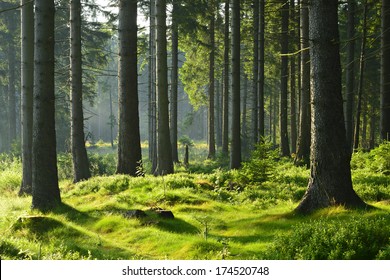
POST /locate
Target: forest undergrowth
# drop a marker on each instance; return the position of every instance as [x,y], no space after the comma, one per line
[218,213]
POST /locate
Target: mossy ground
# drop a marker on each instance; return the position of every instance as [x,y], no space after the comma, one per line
[219,214]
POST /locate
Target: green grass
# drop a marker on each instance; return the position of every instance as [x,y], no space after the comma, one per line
[219,214]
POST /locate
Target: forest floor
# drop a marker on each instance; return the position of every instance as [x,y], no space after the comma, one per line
[218,214]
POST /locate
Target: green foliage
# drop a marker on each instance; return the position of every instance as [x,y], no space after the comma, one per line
[355,238]
[10,173]
[186,140]
[377,160]
[261,163]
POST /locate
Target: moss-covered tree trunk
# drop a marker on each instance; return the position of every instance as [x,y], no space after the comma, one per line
[330,179]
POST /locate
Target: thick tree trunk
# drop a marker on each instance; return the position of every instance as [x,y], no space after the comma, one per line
[45,190]
[211,112]
[350,73]
[303,148]
[330,180]
[225,95]
[385,72]
[174,83]
[235,153]
[129,145]
[80,158]
[285,149]
[27,85]
[164,151]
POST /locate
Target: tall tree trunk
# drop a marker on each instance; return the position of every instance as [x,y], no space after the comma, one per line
[350,73]
[303,148]
[244,122]
[385,72]
[80,158]
[27,85]
[225,95]
[330,177]
[164,151]
[255,77]
[45,190]
[361,80]
[112,121]
[11,24]
[372,123]
[293,119]
[129,144]
[211,113]
[174,83]
[260,79]
[285,149]
[152,104]
[218,114]
[235,153]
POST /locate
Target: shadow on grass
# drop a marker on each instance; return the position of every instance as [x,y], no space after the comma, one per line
[177,226]
[74,215]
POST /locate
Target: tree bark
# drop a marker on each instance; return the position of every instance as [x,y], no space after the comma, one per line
[152,105]
[27,86]
[45,190]
[11,25]
[385,72]
[350,73]
[164,152]
[260,79]
[174,83]
[293,119]
[330,178]
[235,153]
[361,80]
[211,112]
[80,158]
[304,138]
[129,144]
[225,95]
[285,149]
[255,77]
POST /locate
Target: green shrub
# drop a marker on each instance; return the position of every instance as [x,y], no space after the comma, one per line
[357,238]
[65,166]
[102,164]
[381,159]
[260,164]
